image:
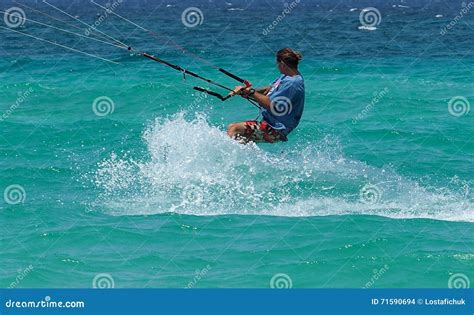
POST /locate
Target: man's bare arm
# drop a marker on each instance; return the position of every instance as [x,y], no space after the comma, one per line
[261,98]
[263,90]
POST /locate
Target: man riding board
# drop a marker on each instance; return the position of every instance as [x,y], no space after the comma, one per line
[282,103]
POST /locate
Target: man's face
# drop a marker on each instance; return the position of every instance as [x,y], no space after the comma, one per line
[280,66]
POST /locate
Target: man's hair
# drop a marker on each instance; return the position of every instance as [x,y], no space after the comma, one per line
[289,56]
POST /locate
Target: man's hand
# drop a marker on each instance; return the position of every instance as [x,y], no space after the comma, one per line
[244,91]
[237,90]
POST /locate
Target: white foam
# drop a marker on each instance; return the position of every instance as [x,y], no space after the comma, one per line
[194,168]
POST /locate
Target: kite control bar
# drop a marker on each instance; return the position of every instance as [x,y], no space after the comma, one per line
[200,89]
[233,76]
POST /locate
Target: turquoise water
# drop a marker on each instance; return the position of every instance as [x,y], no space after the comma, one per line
[373,189]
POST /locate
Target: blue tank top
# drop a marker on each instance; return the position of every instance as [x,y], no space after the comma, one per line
[287,103]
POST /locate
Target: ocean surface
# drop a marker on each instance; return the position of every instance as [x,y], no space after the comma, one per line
[117,173]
